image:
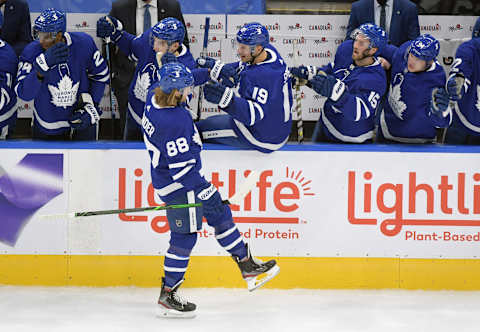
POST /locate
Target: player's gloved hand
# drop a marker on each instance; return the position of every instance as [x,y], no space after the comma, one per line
[86,114]
[109,27]
[456,87]
[211,201]
[54,55]
[220,72]
[327,86]
[303,72]
[217,93]
[439,101]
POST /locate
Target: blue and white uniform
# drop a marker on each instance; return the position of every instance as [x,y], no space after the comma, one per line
[8,97]
[56,95]
[467,110]
[407,116]
[139,50]
[174,146]
[350,119]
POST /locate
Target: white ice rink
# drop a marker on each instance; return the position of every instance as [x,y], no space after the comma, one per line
[133,309]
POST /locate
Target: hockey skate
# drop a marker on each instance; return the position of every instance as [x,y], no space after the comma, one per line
[171,305]
[255,272]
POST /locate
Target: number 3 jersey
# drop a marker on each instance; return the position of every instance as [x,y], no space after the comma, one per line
[406,117]
[351,118]
[56,95]
[174,146]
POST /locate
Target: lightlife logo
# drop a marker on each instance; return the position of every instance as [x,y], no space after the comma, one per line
[276,198]
[368,196]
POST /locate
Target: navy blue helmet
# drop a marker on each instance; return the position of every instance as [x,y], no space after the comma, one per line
[425,47]
[376,35]
[253,34]
[169,29]
[50,20]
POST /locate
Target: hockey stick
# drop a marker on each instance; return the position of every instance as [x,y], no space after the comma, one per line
[236,199]
[110,90]
[298,99]
[204,54]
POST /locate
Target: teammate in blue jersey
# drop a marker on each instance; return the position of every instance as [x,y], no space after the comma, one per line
[65,74]
[353,84]
[463,86]
[165,39]
[174,146]
[8,97]
[159,45]
[259,115]
[417,102]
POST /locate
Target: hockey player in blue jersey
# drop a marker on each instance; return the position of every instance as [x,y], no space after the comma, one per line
[417,102]
[463,86]
[259,115]
[353,84]
[65,74]
[8,97]
[174,146]
[160,44]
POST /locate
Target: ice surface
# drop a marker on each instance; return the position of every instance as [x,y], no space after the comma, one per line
[134,309]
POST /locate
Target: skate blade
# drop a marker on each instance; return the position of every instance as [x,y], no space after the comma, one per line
[171,313]
[256,282]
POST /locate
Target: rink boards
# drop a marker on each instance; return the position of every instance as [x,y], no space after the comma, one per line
[334,216]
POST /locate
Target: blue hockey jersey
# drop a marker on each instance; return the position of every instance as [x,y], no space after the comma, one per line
[406,116]
[56,95]
[262,111]
[139,49]
[351,118]
[8,97]
[467,62]
[174,146]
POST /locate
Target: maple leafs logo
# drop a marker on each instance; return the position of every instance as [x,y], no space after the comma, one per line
[395,95]
[141,86]
[65,94]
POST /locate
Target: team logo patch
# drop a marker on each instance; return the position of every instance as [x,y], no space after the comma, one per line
[179,222]
[65,93]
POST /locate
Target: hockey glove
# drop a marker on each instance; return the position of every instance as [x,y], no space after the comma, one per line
[86,114]
[304,72]
[456,87]
[220,72]
[217,93]
[439,101]
[53,56]
[109,27]
[327,86]
[211,201]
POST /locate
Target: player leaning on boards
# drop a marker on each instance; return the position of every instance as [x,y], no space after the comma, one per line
[65,74]
[163,40]
[463,86]
[417,101]
[8,98]
[259,114]
[174,146]
[353,84]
